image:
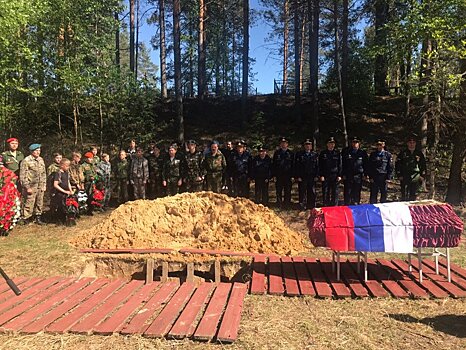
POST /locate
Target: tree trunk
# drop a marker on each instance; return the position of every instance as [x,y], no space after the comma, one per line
[381,64]
[202,56]
[286,17]
[407,84]
[131,36]
[297,62]
[301,51]
[314,9]
[163,50]
[117,42]
[245,81]
[233,65]
[136,46]
[433,151]
[177,63]
[344,49]
[425,77]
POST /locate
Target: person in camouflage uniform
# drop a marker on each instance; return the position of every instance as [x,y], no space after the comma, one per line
[121,170]
[96,159]
[33,179]
[155,160]
[51,170]
[214,166]
[12,158]
[90,174]
[104,170]
[194,171]
[173,171]
[139,174]
[76,173]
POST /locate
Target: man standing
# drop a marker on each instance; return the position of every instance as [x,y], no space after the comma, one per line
[227,151]
[240,167]
[155,161]
[379,171]
[261,172]
[173,171]
[12,157]
[121,177]
[76,173]
[33,181]
[194,172]
[410,169]
[214,165]
[354,168]
[306,172]
[330,173]
[139,174]
[283,171]
[89,171]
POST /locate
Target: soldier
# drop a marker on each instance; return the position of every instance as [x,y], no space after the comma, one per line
[379,170]
[354,169]
[227,151]
[240,169]
[132,149]
[306,173]
[139,174]
[194,171]
[214,165]
[51,170]
[173,171]
[155,161]
[12,158]
[330,173]
[33,181]
[410,169]
[90,174]
[104,170]
[122,177]
[76,173]
[261,173]
[282,170]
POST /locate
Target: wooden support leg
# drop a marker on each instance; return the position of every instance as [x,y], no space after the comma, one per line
[149,271]
[419,258]
[190,272]
[217,270]
[448,264]
[164,277]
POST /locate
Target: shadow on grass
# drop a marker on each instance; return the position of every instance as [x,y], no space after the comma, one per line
[450,324]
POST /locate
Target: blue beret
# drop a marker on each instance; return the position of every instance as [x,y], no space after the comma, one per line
[34,146]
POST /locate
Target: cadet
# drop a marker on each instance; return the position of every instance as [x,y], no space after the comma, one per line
[261,173]
[51,170]
[306,172]
[12,158]
[354,169]
[132,149]
[194,176]
[173,171]
[410,169]
[282,170]
[240,168]
[122,177]
[96,159]
[33,182]
[227,151]
[155,160]
[330,173]
[76,173]
[379,171]
[104,170]
[214,166]
[139,174]
[89,172]
[61,189]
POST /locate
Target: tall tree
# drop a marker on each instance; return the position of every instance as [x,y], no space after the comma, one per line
[245,57]
[345,48]
[381,65]
[162,50]
[202,54]
[177,63]
[297,58]
[314,11]
[132,60]
[286,18]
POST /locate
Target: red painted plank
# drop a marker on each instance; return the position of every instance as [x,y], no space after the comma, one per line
[7,293]
[374,287]
[456,281]
[115,322]
[40,323]
[455,268]
[289,275]
[228,331]
[186,323]
[207,327]
[87,324]
[352,280]
[215,252]
[341,290]
[275,276]
[404,280]
[321,286]
[65,323]
[258,280]
[139,323]
[42,295]
[128,251]
[304,278]
[383,277]
[4,287]
[442,282]
[164,321]
[42,309]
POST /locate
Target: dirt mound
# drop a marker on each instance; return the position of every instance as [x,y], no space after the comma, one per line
[202,220]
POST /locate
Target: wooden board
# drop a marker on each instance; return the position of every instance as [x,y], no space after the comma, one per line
[228,331]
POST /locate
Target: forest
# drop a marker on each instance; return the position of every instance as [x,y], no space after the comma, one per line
[77,70]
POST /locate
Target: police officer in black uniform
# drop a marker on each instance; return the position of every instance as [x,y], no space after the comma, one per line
[240,170]
[306,172]
[379,171]
[354,161]
[261,172]
[330,173]
[282,170]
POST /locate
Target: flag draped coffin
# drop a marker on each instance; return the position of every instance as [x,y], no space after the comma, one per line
[388,227]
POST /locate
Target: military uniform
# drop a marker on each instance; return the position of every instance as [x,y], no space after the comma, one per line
[330,170]
[240,166]
[138,175]
[282,170]
[76,176]
[227,176]
[33,177]
[194,171]
[12,160]
[155,174]
[307,169]
[410,166]
[104,170]
[173,171]
[379,171]
[261,173]
[214,167]
[354,168]
[51,171]
[121,179]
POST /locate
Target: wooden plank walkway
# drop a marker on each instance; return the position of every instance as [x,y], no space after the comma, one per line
[58,305]
[300,276]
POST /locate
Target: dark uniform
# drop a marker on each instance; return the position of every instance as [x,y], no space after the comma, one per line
[227,182]
[240,169]
[121,179]
[194,176]
[330,169]
[354,168]
[90,174]
[155,162]
[379,170]
[306,170]
[11,160]
[173,171]
[138,176]
[214,167]
[282,170]
[261,173]
[410,167]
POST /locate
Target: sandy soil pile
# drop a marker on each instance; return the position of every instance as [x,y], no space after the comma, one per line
[202,220]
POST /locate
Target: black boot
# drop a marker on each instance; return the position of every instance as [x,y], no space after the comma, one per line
[39,221]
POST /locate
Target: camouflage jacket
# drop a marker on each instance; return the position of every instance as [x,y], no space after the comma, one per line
[76,174]
[173,169]
[53,168]
[155,165]
[214,164]
[88,171]
[32,172]
[104,170]
[139,169]
[194,167]
[11,161]
[121,169]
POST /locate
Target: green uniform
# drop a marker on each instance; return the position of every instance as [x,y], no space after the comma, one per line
[410,166]
[121,179]
[155,175]
[33,177]
[194,172]
[11,160]
[76,176]
[214,166]
[173,171]
[138,175]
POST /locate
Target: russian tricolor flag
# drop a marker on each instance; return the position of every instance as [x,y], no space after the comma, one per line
[386,227]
